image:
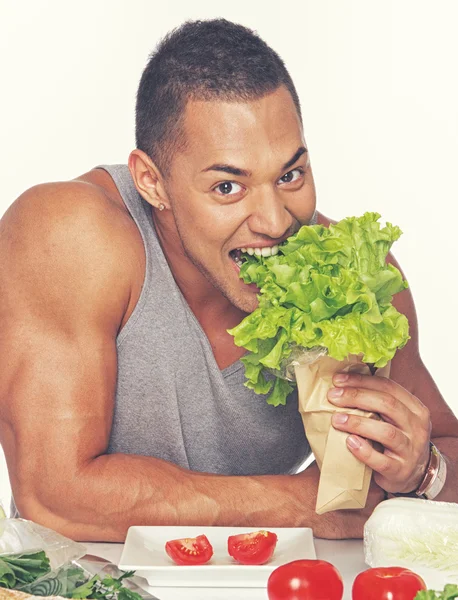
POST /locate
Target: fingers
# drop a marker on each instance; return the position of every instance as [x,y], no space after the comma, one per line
[379,384]
[403,432]
[386,405]
[391,472]
[388,435]
[388,467]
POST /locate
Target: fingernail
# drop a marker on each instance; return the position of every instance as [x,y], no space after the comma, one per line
[340,418]
[353,442]
[335,392]
[340,378]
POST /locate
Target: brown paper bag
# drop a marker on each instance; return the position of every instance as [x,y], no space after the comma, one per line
[344,480]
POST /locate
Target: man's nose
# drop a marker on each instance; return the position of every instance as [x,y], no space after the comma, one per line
[269,215]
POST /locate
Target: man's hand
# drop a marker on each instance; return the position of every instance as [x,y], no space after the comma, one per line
[404,429]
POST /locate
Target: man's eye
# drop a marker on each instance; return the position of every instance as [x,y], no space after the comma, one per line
[228,188]
[291,176]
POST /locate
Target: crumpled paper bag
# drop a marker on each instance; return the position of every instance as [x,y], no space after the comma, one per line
[344,480]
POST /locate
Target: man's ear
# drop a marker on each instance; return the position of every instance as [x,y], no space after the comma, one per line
[148,179]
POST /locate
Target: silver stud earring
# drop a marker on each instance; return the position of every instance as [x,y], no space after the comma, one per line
[161,206]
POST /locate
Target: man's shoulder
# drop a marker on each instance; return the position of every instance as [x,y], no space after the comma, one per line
[86,207]
[83,197]
[78,228]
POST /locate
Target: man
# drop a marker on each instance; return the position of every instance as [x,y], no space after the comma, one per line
[122,397]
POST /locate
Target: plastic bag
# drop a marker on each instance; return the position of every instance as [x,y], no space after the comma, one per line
[21,536]
[80,574]
[68,567]
[421,535]
[298,356]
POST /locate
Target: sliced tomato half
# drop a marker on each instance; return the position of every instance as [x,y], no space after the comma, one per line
[252,548]
[190,551]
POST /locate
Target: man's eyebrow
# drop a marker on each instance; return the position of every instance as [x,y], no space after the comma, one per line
[238,172]
[300,151]
[228,169]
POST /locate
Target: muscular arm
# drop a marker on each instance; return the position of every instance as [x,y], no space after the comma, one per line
[409,371]
[65,285]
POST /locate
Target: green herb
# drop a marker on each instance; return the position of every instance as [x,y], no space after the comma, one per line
[327,287]
[17,569]
[450,593]
[108,588]
[31,573]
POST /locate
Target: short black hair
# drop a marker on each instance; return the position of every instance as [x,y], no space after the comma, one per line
[201,60]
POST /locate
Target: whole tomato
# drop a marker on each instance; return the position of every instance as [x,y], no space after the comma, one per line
[387,583]
[305,580]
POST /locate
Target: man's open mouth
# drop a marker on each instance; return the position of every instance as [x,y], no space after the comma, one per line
[239,255]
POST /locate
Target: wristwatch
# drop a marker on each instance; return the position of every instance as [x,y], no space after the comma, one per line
[434,479]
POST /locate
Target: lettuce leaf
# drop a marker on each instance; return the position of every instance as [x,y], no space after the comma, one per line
[16,569]
[450,593]
[329,287]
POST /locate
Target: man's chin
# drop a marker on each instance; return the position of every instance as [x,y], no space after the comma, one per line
[247,302]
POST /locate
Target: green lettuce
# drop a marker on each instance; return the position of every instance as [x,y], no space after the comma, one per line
[450,592]
[328,287]
[16,569]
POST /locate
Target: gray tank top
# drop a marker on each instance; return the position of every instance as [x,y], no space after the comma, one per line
[172,400]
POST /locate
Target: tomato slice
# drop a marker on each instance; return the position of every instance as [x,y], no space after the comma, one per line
[252,548]
[190,551]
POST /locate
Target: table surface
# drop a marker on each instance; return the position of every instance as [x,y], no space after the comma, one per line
[346,555]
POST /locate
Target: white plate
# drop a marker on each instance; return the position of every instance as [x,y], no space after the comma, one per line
[144,552]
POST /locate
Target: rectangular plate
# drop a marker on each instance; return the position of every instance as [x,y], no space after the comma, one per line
[144,552]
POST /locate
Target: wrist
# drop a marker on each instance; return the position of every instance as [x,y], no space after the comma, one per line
[433,479]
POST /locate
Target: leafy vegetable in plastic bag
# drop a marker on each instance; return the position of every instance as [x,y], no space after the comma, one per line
[39,561]
[72,581]
[19,536]
[108,587]
[328,287]
[58,583]
[17,569]
[410,532]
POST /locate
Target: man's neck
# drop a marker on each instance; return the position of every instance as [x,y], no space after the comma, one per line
[207,303]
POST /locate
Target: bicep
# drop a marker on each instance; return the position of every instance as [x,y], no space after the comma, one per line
[63,295]
[408,369]
[57,397]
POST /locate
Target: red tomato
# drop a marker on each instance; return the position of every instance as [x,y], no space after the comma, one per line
[387,583]
[305,580]
[252,548]
[190,551]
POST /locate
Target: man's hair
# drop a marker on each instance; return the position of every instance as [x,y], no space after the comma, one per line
[201,60]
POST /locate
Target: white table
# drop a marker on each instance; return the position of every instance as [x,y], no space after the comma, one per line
[346,555]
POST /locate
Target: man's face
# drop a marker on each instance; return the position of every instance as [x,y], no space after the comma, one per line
[244,181]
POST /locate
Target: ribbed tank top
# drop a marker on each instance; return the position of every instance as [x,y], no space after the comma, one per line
[172,400]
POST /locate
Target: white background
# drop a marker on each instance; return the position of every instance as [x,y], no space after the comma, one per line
[379,91]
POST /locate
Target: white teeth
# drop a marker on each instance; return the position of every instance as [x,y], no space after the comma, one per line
[266,251]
